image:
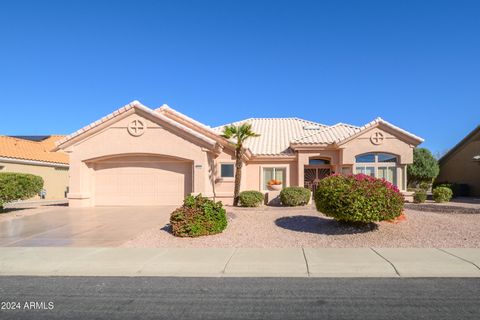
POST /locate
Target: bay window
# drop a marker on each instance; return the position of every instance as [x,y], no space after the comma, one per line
[378,165]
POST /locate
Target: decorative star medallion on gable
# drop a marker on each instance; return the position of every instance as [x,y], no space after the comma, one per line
[136,128]
[377,138]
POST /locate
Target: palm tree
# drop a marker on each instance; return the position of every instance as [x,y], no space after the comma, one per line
[239,133]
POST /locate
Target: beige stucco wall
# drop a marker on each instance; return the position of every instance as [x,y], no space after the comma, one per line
[55,178]
[115,139]
[224,187]
[460,168]
[254,173]
[391,144]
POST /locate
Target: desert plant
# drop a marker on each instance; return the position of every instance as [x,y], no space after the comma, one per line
[442,194]
[251,198]
[18,186]
[420,196]
[295,196]
[198,216]
[358,198]
[240,134]
[424,167]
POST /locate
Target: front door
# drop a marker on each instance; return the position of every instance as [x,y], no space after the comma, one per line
[313,175]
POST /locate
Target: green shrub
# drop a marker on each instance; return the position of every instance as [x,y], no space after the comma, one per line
[442,194]
[199,216]
[358,198]
[18,186]
[443,184]
[424,167]
[294,196]
[458,189]
[425,185]
[251,198]
[419,196]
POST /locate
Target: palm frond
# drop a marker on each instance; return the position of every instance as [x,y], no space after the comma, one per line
[240,133]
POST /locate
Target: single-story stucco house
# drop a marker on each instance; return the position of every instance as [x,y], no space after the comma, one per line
[140,156]
[32,154]
[461,164]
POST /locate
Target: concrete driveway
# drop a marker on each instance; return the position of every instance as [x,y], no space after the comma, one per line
[82,227]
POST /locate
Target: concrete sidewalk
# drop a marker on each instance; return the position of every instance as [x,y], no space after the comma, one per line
[241,262]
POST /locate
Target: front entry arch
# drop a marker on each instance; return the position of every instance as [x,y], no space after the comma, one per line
[313,174]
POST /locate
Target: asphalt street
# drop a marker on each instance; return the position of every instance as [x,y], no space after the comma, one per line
[238,298]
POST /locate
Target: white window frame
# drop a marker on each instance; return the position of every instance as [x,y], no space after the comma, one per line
[280,166]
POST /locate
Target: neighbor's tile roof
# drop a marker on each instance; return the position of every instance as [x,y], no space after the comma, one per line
[30,150]
[275,134]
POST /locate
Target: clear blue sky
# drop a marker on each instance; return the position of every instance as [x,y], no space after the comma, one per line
[64,64]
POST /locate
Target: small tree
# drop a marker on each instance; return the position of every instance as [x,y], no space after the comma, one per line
[240,134]
[18,186]
[424,168]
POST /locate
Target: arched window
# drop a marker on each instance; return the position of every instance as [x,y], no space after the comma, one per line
[318,161]
[379,165]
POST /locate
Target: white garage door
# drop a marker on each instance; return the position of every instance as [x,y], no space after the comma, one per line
[145,182]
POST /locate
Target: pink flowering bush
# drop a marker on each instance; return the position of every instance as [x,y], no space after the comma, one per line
[358,198]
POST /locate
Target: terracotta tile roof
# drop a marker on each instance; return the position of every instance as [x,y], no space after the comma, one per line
[16,148]
[328,135]
[276,134]
[341,133]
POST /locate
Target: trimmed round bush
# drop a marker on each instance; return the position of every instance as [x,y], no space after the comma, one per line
[442,194]
[295,196]
[420,196]
[251,198]
[18,186]
[199,216]
[358,198]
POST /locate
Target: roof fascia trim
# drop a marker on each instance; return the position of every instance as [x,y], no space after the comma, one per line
[460,144]
[74,137]
[379,122]
[34,162]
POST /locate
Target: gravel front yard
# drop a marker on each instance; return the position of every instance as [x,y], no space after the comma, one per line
[285,227]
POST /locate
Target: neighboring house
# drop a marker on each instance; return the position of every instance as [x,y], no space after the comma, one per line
[140,156]
[33,154]
[462,163]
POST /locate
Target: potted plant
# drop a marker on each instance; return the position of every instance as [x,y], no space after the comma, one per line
[275,184]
